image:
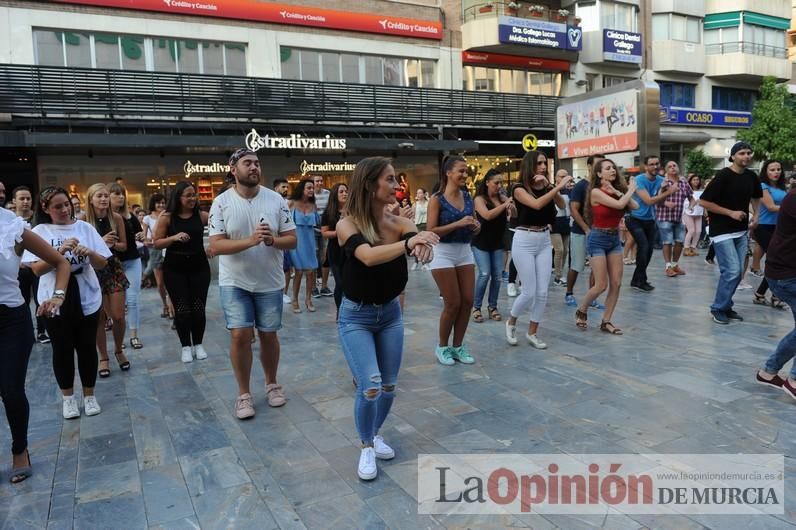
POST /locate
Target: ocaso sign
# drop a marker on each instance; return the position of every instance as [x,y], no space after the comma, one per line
[254,10]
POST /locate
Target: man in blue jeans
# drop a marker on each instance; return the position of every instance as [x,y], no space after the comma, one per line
[781,276]
[641,221]
[727,198]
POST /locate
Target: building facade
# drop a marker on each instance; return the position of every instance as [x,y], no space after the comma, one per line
[93,90]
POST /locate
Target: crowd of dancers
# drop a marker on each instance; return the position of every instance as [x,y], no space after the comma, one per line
[83,267]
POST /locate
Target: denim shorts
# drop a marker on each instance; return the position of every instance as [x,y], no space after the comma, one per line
[671,232]
[599,243]
[244,309]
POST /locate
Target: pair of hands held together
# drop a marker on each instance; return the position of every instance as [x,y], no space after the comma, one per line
[421,246]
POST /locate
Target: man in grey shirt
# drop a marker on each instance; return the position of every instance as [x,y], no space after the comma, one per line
[321,200]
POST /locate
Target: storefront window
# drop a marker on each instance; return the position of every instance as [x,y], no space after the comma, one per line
[351,68]
[213,58]
[106,51]
[235,55]
[132,52]
[49,46]
[78,49]
[330,65]
[188,56]
[480,78]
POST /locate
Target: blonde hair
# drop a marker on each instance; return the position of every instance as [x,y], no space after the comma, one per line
[115,187]
[360,192]
[91,215]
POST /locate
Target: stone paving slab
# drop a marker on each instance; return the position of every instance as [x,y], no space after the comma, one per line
[166,452]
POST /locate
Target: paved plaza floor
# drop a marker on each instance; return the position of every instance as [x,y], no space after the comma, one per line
[167,452]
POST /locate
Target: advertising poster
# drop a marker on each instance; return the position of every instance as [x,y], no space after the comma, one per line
[605,124]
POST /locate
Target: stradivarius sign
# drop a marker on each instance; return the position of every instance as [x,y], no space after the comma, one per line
[255,142]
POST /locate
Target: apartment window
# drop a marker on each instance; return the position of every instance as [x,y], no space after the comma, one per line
[312,65]
[671,26]
[613,80]
[760,40]
[112,51]
[733,99]
[677,94]
[614,15]
[480,78]
[589,15]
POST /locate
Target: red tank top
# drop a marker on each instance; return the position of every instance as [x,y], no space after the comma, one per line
[604,216]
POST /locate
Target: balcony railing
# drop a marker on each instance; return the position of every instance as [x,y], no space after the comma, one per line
[750,48]
[528,10]
[50,91]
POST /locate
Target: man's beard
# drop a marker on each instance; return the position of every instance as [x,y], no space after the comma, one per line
[249,182]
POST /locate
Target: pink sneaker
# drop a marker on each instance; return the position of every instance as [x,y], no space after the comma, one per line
[244,407]
[275,395]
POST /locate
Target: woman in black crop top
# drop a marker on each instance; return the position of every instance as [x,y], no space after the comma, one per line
[131,260]
[532,251]
[112,279]
[374,244]
[331,215]
[186,272]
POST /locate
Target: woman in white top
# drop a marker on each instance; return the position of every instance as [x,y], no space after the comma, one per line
[16,329]
[157,205]
[421,216]
[692,217]
[73,328]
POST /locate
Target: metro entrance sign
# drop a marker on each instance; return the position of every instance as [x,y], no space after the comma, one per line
[255,10]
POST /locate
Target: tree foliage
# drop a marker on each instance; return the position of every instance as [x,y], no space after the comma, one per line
[773,131]
[696,161]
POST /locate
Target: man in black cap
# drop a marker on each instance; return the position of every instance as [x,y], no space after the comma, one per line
[727,198]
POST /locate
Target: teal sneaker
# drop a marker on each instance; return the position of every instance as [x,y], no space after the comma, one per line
[444,355]
[462,355]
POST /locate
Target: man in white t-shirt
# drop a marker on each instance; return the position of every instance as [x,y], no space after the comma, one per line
[321,200]
[250,227]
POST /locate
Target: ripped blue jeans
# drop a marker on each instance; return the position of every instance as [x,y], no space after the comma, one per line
[372,337]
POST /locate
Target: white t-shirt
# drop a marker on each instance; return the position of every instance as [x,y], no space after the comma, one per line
[257,269]
[87,282]
[321,200]
[11,228]
[697,210]
[152,223]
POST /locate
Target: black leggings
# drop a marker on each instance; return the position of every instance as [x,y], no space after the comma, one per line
[71,333]
[187,280]
[762,235]
[16,338]
[29,284]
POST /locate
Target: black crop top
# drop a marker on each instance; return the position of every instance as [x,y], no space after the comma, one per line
[372,285]
[131,228]
[527,216]
[193,227]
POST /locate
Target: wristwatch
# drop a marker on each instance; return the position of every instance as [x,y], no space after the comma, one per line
[59,293]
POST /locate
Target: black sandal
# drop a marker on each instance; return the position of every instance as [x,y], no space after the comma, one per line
[581,319]
[105,372]
[123,365]
[20,474]
[610,328]
[759,299]
[135,342]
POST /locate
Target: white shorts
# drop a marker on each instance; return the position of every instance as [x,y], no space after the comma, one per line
[449,255]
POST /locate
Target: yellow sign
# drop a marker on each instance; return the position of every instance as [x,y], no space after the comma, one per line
[529,142]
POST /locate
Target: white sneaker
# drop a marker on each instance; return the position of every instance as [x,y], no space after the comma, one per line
[71,409]
[367,469]
[536,342]
[200,352]
[286,299]
[511,333]
[187,354]
[414,266]
[745,285]
[91,406]
[383,451]
[425,267]
[511,289]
